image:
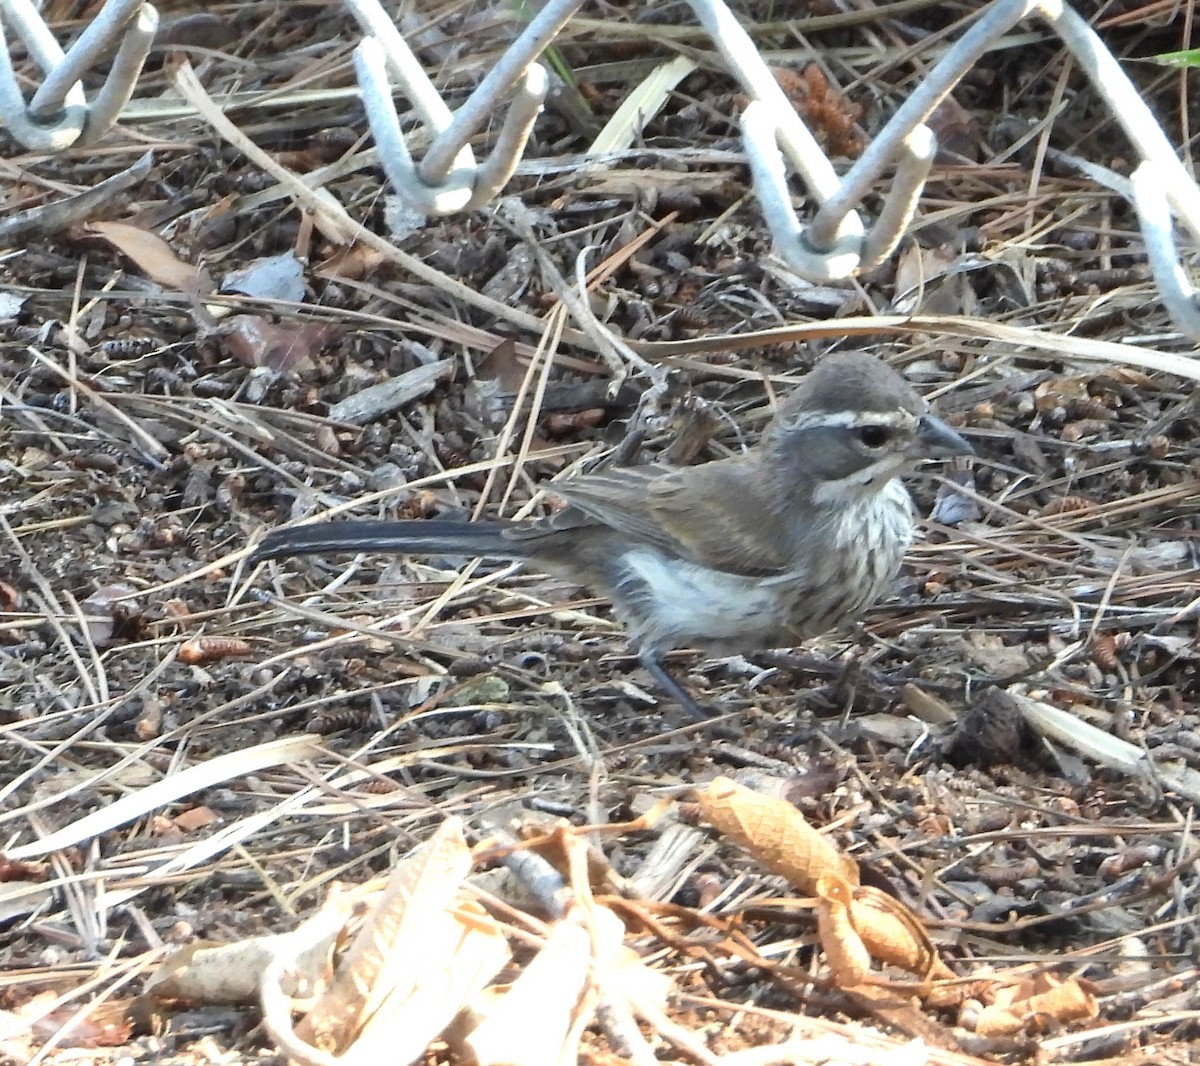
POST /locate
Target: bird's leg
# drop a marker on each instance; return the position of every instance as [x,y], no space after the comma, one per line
[652,661]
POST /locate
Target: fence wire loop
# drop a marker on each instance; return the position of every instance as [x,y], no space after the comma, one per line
[59,115]
[449,179]
[1151,199]
[835,243]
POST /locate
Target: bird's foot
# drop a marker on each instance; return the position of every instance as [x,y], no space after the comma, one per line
[740,666]
[654,667]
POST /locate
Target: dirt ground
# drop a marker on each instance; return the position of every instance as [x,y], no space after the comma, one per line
[154,421]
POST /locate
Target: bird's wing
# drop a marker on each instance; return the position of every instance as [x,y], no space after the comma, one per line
[617,498]
[710,515]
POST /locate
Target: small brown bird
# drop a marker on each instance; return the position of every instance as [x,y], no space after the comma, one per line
[793,538]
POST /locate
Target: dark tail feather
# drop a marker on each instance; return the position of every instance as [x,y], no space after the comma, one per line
[432,537]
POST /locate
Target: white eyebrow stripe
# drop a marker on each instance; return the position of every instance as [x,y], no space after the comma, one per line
[845,419]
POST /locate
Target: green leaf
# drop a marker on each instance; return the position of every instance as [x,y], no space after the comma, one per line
[1189,57]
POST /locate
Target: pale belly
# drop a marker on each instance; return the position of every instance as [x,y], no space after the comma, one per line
[670,603]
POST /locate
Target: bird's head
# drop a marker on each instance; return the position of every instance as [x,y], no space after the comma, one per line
[851,426]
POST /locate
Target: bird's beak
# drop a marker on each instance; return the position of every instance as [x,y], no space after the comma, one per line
[936,440]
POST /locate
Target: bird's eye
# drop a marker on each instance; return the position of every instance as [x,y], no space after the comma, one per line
[874,436]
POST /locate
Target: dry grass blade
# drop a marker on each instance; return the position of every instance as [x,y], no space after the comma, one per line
[1055,346]
[184,783]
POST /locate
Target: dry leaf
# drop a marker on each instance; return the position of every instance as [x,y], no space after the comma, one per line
[353,261]
[205,972]
[104,1024]
[1058,392]
[196,818]
[418,891]
[956,129]
[926,706]
[529,1023]
[21,871]
[154,257]
[436,986]
[10,598]
[893,934]
[208,973]
[846,953]
[775,833]
[150,722]
[1031,1004]
[255,341]
[502,365]
[926,281]
[422,954]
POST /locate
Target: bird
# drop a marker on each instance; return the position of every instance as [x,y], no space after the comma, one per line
[794,537]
